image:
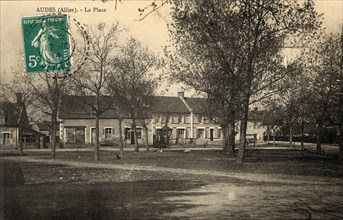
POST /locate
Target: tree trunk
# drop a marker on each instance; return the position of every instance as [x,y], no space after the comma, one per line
[225,142]
[302,137]
[290,136]
[135,134]
[319,138]
[273,137]
[97,139]
[232,138]
[121,137]
[341,140]
[268,134]
[53,134]
[21,141]
[146,137]
[243,132]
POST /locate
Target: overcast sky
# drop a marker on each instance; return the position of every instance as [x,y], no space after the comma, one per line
[152,31]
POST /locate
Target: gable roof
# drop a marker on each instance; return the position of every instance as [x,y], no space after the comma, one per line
[13,113]
[196,104]
[80,107]
[169,104]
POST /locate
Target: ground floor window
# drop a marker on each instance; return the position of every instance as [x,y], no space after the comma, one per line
[219,133]
[75,134]
[108,133]
[180,133]
[200,133]
[6,138]
[129,133]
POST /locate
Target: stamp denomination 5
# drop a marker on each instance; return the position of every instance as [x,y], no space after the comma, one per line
[46,43]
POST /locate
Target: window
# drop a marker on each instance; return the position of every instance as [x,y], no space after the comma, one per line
[139,133]
[163,119]
[129,133]
[187,119]
[6,138]
[108,133]
[200,133]
[2,119]
[196,119]
[75,134]
[175,119]
[156,119]
[200,119]
[219,133]
[180,133]
[180,119]
[79,135]
[70,135]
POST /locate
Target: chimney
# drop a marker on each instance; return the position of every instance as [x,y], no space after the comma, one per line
[181,95]
[19,98]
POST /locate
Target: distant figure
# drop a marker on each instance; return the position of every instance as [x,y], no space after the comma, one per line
[118,157]
[187,151]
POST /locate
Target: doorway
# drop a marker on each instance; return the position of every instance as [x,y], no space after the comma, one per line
[211,134]
[93,135]
[6,138]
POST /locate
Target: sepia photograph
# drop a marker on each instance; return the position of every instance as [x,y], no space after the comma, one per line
[171,109]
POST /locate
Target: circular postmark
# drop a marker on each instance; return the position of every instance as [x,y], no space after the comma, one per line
[54,51]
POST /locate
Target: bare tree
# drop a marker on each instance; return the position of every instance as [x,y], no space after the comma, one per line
[133,83]
[94,77]
[47,91]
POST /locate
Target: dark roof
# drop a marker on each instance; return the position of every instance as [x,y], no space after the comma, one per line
[80,107]
[198,105]
[168,104]
[11,113]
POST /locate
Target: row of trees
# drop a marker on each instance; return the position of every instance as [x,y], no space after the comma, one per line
[312,94]
[124,71]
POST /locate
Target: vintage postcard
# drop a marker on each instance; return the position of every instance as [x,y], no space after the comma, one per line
[171,109]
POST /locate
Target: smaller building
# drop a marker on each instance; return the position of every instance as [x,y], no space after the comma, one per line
[77,122]
[14,124]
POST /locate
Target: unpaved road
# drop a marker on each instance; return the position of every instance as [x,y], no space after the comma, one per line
[252,196]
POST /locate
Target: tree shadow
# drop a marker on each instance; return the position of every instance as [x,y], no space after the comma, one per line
[111,200]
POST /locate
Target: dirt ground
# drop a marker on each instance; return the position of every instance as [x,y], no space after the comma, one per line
[201,184]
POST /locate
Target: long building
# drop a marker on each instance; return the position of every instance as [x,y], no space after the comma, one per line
[182,116]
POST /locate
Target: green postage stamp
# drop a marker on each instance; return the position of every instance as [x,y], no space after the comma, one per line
[46,43]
